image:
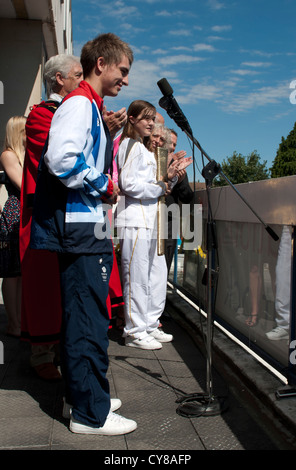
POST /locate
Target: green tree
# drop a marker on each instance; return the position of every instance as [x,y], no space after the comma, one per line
[284,163]
[242,169]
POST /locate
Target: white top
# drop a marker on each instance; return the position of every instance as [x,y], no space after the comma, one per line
[137,206]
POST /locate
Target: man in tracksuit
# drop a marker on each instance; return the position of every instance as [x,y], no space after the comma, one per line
[69,218]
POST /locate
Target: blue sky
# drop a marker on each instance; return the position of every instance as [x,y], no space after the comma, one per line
[230,63]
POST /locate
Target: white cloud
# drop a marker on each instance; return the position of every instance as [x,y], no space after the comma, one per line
[243,72]
[203,47]
[221,28]
[218,38]
[143,79]
[215,5]
[179,59]
[131,28]
[256,64]
[118,9]
[159,52]
[197,48]
[231,98]
[257,52]
[261,97]
[205,92]
[164,13]
[181,48]
[180,32]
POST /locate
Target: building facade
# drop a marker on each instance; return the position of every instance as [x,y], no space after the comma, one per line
[31,31]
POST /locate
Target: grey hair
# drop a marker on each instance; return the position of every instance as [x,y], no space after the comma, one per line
[59,63]
[166,133]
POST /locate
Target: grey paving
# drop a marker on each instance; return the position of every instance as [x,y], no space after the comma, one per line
[149,384]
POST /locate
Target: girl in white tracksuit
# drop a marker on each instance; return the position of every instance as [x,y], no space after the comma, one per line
[144,272]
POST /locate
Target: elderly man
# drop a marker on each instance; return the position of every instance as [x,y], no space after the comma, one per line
[41,302]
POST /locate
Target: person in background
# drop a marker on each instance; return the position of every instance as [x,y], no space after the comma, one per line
[71,193]
[159,119]
[41,310]
[283,287]
[173,140]
[160,137]
[115,121]
[11,161]
[181,193]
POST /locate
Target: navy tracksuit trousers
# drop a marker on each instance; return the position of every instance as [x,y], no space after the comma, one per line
[84,338]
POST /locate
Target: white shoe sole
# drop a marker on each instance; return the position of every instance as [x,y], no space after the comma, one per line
[276,338]
[115,404]
[162,338]
[115,425]
[148,346]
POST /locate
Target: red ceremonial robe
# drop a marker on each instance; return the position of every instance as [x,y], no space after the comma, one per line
[41,311]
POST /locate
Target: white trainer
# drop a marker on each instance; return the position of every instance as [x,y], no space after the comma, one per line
[115,404]
[148,342]
[115,425]
[277,333]
[161,336]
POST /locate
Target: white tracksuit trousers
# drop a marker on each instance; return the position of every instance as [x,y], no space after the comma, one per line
[144,279]
[283,279]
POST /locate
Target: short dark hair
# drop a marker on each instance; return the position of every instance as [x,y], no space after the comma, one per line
[109,46]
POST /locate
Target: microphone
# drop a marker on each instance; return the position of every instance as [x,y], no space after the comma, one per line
[171,106]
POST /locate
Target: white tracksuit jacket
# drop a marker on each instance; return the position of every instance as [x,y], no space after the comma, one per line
[138,186]
[144,273]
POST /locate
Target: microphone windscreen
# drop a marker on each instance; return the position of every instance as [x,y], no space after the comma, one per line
[165,87]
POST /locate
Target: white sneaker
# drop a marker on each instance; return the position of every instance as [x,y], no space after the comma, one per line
[148,342]
[115,404]
[114,426]
[277,333]
[162,337]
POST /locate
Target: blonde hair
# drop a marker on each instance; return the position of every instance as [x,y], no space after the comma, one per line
[15,129]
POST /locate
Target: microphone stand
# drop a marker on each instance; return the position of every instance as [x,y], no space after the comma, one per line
[206,404]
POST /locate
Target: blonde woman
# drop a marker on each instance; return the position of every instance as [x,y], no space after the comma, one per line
[11,161]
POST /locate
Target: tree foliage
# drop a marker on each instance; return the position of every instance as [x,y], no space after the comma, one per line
[284,163]
[242,169]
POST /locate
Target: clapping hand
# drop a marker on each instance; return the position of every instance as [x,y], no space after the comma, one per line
[177,163]
[114,120]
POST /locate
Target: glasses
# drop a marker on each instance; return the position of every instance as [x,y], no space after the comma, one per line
[74,77]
